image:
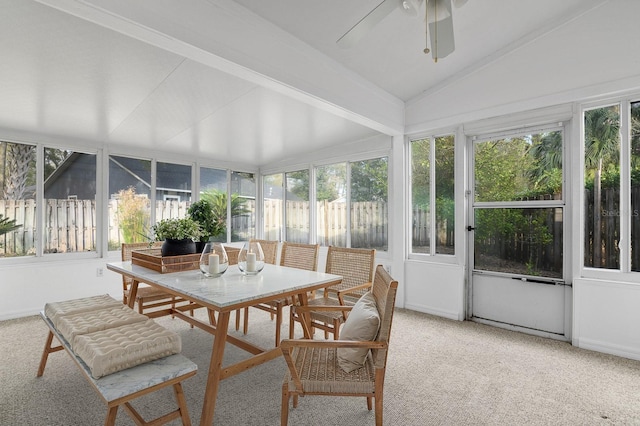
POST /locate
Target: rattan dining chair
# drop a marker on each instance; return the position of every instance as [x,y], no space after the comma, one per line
[148,299]
[315,366]
[355,265]
[293,255]
[270,250]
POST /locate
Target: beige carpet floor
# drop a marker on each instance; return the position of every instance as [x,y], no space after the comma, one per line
[440,372]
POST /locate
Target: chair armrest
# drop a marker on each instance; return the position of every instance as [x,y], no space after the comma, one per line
[307,308]
[354,288]
[342,293]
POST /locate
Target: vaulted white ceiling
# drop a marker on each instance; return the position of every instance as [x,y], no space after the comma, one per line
[254,81]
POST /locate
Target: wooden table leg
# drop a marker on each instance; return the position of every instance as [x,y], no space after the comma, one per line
[133,292]
[215,369]
[305,317]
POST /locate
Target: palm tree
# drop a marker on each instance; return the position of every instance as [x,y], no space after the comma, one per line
[218,201]
[547,156]
[18,164]
[601,129]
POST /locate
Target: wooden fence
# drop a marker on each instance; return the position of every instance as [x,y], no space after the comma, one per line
[608,254]
[71,224]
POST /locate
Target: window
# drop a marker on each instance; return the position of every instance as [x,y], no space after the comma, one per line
[173,190]
[611,187]
[433,230]
[331,205]
[243,206]
[273,198]
[69,201]
[18,225]
[369,208]
[635,186]
[286,206]
[297,206]
[213,188]
[129,209]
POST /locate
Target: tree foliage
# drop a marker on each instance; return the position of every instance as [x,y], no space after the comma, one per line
[7,225]
[369,180]
[133,216]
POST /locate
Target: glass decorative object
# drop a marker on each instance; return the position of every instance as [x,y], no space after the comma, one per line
[213,260]
[251,258]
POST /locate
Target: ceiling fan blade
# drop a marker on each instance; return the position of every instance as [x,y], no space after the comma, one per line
[441,35]
[438,10]
[363,26]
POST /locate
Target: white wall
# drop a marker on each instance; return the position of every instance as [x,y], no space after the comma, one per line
[435,288]
[606,315]
[26,287]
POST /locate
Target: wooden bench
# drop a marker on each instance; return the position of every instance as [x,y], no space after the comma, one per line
[121,387]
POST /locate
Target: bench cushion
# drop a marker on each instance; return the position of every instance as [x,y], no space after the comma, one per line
[115,349]
[72,325]
[54,310]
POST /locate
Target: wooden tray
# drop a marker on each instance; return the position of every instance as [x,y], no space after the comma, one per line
[152,259]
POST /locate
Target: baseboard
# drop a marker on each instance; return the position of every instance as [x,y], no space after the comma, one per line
[434,311]
[608,348]
[17,314]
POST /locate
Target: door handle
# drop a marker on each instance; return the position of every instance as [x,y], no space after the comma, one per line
[470,228]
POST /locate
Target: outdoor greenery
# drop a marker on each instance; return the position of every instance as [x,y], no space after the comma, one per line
[7,225]
[202,212]
[176,229]
[218,201]
[519,168]
[133,216]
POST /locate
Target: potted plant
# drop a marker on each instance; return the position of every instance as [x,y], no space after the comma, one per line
[202,212]
[179,235]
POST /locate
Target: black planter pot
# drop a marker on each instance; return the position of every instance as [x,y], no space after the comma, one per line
[200,246]
[171,247]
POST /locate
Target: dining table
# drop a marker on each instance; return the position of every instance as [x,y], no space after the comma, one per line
[223,295]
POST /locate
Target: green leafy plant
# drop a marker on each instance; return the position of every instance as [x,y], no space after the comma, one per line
[177,229]
[7,225]
[211,225]
[218,201]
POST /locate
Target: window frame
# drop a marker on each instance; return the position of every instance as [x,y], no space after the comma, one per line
[624,272]
[39,255]
[369,155]
[431,255]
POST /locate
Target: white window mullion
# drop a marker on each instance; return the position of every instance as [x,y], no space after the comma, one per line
[432,196]
[625,187]
[348,200]
[313,228]
[40,205]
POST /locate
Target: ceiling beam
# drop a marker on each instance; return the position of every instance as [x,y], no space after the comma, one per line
[225,35]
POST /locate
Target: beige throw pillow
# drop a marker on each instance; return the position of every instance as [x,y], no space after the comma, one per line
[362,324]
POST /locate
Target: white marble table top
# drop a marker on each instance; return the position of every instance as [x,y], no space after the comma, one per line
[232,289]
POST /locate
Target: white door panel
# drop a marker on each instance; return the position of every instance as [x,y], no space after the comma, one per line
[522,303]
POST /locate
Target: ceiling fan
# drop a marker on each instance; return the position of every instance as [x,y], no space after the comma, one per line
[438,17]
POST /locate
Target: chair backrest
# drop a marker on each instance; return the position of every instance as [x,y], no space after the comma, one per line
[269,248]
[301,256]
[353,264]
[384,292]
[125,252]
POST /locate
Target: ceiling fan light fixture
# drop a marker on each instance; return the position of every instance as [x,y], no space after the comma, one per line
[410,7]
